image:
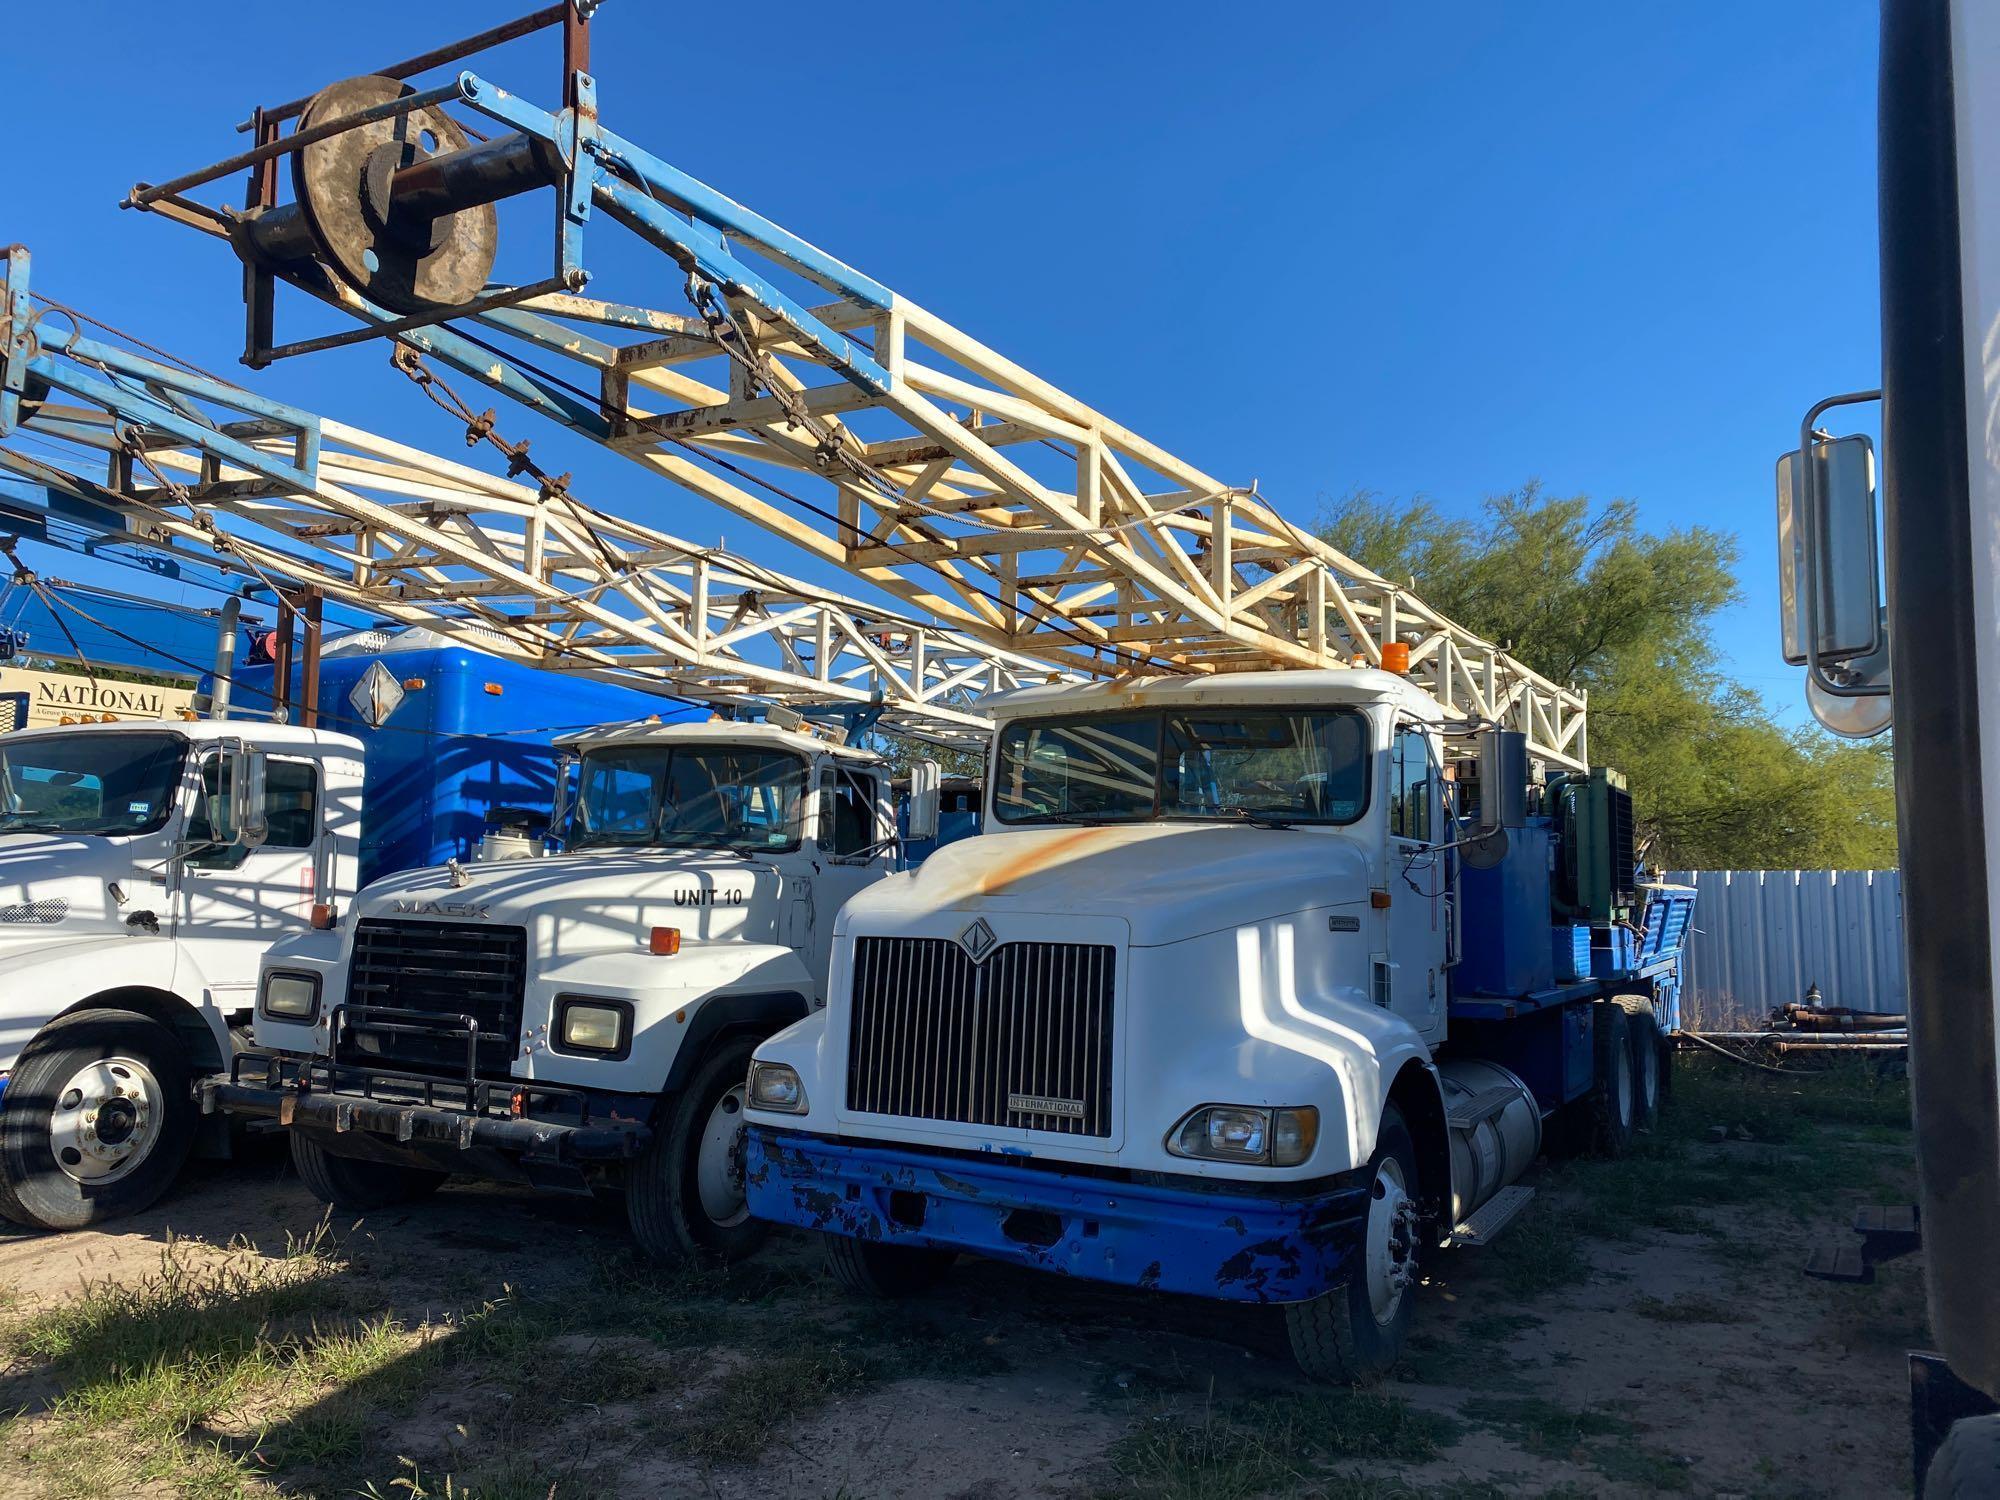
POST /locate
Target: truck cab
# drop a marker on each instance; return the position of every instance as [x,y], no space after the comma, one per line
[1182,1015]
[144,868]
[583,1020]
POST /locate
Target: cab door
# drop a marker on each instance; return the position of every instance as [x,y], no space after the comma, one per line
[234,902]
[1419,917]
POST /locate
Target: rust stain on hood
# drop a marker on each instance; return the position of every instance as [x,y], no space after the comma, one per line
[1042,855]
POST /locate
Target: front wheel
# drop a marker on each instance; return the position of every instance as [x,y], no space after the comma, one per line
[356,1186]
[684,1196]
[871,1269]
[1355,1333]
[96,1121]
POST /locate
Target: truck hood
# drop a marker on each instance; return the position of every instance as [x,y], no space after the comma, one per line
[59,885]
[598,902]
[1168,881]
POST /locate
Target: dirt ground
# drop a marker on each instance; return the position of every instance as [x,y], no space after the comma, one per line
[1643,1330]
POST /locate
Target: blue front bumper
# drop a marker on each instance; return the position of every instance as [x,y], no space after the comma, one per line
[1232,1245]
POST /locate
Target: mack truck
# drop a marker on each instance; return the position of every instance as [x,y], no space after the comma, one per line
[582,1022]
[145,866]
[1255,986]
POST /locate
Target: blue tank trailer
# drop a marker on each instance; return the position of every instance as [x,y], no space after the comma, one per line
[467,747]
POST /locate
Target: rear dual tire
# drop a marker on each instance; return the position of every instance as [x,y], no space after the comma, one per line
[868,1268]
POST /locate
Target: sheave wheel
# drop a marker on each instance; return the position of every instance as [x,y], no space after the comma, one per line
[1614,1094]
[868,1268]
[96,1121]
[356,1186]
[684,1195]
[1355,1333]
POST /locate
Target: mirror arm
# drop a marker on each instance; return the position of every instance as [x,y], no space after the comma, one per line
[1809,543]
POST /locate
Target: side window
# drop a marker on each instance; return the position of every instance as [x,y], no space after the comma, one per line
[291,806]
[847,812]
[1410,786]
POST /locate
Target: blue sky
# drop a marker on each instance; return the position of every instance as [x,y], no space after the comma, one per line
[1431,250]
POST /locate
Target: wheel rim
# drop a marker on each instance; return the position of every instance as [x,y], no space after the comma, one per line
[718,1167]
[1392,1241]
[1621,1085]
[106,1120]
[1649,1075]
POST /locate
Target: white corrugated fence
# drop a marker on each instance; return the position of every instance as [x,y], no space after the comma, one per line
[1762,936]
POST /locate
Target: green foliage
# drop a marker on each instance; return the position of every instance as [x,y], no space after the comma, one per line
[1578,592]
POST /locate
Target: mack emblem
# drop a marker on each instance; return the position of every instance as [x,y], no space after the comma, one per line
[708,898]
[1037,1104]
[440,908]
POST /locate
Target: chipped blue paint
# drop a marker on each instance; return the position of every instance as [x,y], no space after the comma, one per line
[1229,1244]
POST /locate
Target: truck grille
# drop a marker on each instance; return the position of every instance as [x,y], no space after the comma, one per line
[446,969]
[1023,1039]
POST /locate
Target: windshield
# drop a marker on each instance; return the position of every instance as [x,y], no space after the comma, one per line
[713,797]
[1238,765]
[88,783]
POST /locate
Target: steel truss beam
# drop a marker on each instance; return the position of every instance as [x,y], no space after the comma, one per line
[878,437]
[198,467]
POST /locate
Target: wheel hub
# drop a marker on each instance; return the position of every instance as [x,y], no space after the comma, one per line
[719,1156]
[106,1120]
[1391,1242]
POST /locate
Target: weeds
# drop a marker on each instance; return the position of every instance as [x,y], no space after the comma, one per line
[1251,1447]
[1688,1307]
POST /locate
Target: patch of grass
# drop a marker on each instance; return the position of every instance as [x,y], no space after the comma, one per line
[504,1478]
[1688,1307]
[1251,1447]
[739,1417]
[1602,1439]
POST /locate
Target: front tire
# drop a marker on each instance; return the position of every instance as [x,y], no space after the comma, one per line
[684,1196]
[96,1122]
[1355,1333]
[868,1268]
[355,1186]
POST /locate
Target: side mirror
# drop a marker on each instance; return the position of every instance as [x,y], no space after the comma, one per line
[249,820]
[926,789]
[823,831]
[1829,552]
[559,801]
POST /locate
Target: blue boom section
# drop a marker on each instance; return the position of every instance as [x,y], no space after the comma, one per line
[1231,1245]
[475,736]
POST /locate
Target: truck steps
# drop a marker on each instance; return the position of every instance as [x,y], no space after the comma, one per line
[1493,1216]
[1882,1232]
[1481,1107]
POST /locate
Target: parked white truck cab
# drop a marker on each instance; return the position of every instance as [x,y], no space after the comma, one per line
[584,1020]
[138,892]
[1184,1015]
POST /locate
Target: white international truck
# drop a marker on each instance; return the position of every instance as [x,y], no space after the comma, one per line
[1235,995]
[144,868]
[582,1021]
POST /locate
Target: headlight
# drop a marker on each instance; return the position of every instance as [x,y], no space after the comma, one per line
[288,996]
[776,1086]
[1245,1133]
[600,1027]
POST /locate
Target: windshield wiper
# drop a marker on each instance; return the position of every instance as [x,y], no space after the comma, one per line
[1078,816]
[1268,817]
[38,828]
